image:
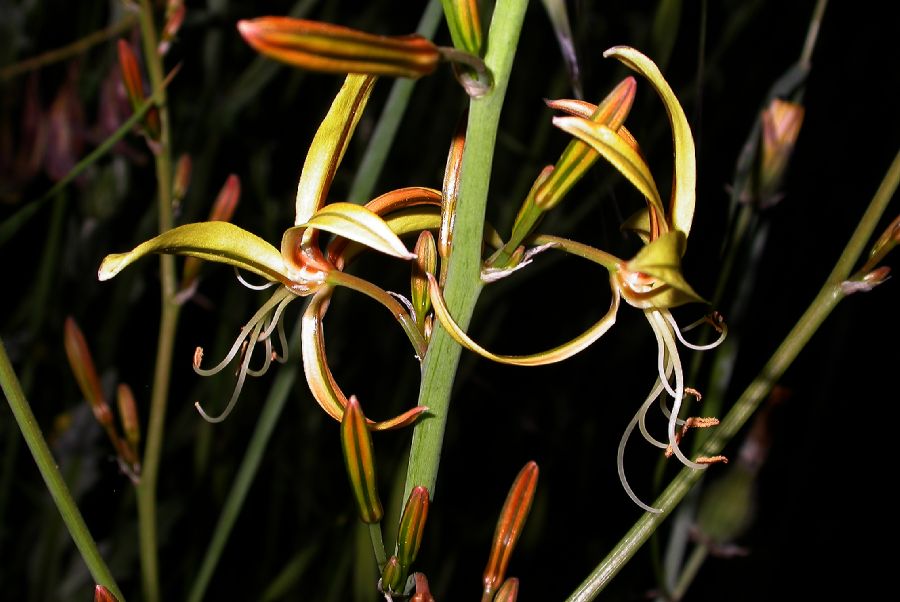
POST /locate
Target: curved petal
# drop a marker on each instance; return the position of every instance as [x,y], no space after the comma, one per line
[319,378]
[362,225]
[221,242]
[557,354]
[329,143]
[683,194]
[618,152]
[661,259]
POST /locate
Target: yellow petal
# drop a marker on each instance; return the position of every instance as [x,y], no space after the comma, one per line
[221,242]
[683,195]
[355,222]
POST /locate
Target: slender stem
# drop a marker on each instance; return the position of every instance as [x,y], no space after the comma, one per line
[464,274]
[65,52]
[827,299]
[377,544]
[170,310]
[812,33]
[691,568]
[55,483]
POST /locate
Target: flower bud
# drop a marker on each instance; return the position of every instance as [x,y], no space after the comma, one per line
[412,525]
[781,122]
[128,415]
[508,592]
[335,49]
[392,576]
[423,593]
[356,440]
[425,263]
[82,364]
[509,526]
[101,594]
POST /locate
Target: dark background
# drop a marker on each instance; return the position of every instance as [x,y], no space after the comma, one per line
[824,512]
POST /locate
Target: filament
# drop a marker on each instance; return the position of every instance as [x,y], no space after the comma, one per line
[620,454]
[722,334]
[242,374]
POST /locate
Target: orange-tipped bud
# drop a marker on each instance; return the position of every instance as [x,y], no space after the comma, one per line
[336,49]
[101,594]
[182,180]
[392,576]
[128,415]
[423,593]
[508,592]
[781,123]
[174,18]
[359,458]
[82,364]
[578,157]
[134,86]
[425,263]
[509,526]
[412,525]
[450,187]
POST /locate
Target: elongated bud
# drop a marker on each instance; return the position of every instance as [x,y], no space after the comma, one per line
[174,18]
[464,23]
[134,87]
[336,49]
[82,364]
[359,459]
[450,187]
[509,526]
[425,263]
[412,525]
[781,123]
[508,592]
[101,594]
[578,157]
[181,181]
[128,415]
[423,593]
[392,576]
[885,243]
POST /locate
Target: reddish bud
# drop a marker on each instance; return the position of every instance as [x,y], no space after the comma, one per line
[412,525]
[508,592]
[128,415]
[392,576]
[82,364]
[359,459]
[423,593]
[101,594]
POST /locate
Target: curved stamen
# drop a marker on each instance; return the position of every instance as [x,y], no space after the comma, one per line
[723,332]
[255,287]
[257,318]
[661,349]
[642,422]
[669,341]
[267,361]
[620,454]
[242,374]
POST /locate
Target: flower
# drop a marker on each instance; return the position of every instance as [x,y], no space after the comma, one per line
[301,268]
[652,280]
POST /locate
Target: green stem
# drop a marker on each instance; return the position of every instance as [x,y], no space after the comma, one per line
[691,568]
[55,483]
[377,544]
[827,299]
[464,274]
[146,490]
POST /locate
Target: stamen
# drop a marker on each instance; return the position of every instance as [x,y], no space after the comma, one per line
[657,325]
[677,399]
[255,287]
[242,374]
[620,454]
[712,460]
[720,327]
[642,422]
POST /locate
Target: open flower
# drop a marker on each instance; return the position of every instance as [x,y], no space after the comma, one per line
[301,268]
[652,280]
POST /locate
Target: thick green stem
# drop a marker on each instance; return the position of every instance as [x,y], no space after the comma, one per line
[464,274]
[827,299]
[146,494]
[55,483]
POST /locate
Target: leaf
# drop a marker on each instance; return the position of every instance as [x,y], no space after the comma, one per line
[221,242]
[681,208]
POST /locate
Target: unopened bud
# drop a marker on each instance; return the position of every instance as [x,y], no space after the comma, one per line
[356,441]
[423,593]
[425,263]
[508,592]
[781,123]
[412,526]
[82,365]
[128,415]
[101,594]
[392,576]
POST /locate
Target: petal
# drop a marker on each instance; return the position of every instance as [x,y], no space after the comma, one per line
[557,354]
[619,152]
[221,242]
[329,143]
[464,23]
[355,222]
[336,49]
[661,259]
[683,194]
